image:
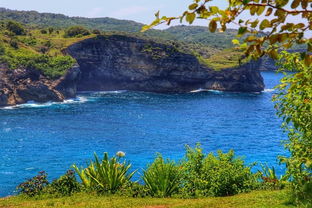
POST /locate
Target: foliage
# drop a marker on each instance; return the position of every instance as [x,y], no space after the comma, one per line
[162,177]
[34,186]
[51,66]
[268,30]
[106,175]
[294,105]
[270,180]
[66,185]
[76,31]
[210,175]
[15,28]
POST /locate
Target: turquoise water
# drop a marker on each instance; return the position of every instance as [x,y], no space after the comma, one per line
[53,136]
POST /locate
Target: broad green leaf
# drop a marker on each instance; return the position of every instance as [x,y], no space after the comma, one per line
[265,24]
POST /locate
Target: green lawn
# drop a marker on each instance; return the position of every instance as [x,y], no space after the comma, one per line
[255,199]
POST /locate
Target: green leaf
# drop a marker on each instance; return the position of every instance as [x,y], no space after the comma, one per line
[190,17]
[265,24]
[235,42]
[193,6]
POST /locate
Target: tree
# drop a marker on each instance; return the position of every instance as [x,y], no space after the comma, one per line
[269,28]
[15,28]
[294,105]
[267,31]
[76,31]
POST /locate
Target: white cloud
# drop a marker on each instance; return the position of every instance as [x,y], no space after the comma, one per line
[95,12]
[125,12]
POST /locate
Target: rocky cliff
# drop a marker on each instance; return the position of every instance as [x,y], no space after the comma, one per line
[22,85]
[127,63]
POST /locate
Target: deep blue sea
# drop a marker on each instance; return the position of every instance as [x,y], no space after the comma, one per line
[53,136]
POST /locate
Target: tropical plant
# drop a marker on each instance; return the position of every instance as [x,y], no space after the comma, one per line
[162,177]
[34,186]
[270,179]
[220,175]
[106,175]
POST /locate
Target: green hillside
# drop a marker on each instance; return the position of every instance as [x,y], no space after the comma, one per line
[44,38]
[189,34]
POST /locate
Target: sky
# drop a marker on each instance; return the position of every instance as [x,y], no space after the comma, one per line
[138,10]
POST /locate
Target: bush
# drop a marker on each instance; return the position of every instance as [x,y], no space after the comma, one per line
[210,175]
[35,185]
[14,43]
[270,180]
[97,32]
[76,31]
[162,178]
[2,50]
[107,175]
[43,31]
[52,67]
[66,185]
[15,28]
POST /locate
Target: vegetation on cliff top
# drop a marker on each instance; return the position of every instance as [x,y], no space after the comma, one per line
[28,46]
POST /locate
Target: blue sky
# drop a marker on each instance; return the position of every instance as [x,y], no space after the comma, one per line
[137,10]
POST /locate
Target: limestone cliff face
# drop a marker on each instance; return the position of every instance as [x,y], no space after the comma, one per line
[126,63]
[22,85]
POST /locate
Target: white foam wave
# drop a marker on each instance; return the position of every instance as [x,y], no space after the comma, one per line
[32,104]
[102,92]
[206,90]
[199,90]
[268,90]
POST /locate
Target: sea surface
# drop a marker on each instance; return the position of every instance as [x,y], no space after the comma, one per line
[53,136]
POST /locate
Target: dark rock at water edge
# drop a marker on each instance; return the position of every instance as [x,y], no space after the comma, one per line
[127,63]
[19,86]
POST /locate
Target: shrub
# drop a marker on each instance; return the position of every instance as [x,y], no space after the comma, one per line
[97,32]
[15,28]
[66,185]
[270,179]
[76,31]
[43,31]
[210,175]
[162,178]
[35,185]
[51,30]
[14,43]
[106,175]
[2,50]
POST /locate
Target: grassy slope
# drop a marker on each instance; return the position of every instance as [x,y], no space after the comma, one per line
[256,199]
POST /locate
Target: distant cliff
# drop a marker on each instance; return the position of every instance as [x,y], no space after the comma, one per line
[126,63]
[119,62]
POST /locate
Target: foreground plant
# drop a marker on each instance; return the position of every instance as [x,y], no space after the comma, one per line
[34,186]
[271,180]
[216,175]
[106,175]
[162,177]
[294,105]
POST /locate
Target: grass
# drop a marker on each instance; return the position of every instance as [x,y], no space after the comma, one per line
[255,199]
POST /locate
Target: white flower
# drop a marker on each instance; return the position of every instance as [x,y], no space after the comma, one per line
[120,154]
